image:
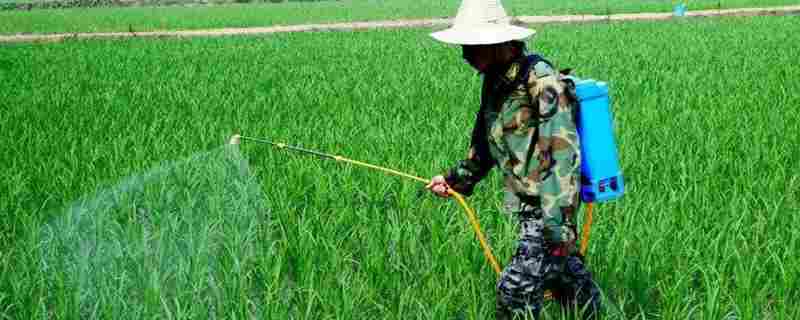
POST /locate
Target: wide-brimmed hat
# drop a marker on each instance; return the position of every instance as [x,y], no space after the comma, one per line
[482,22]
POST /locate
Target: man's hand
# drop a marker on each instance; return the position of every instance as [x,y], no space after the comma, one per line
[439,186]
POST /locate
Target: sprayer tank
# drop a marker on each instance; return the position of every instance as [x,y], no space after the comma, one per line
[601,178]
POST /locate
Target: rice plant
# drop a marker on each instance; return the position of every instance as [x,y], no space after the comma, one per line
[707,126]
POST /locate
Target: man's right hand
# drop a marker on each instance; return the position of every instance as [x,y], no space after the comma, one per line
[439,186]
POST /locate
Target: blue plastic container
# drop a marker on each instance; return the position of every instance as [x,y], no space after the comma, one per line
[601,177]
[680,10]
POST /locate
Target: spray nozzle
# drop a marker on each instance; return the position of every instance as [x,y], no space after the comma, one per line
[235,139]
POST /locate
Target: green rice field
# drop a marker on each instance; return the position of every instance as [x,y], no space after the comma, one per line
[120,198]
[267,14]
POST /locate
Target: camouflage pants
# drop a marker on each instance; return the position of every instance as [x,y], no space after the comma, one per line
[520,289]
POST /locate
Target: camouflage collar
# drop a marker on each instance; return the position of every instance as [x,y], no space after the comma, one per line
[505,80]
[513,72]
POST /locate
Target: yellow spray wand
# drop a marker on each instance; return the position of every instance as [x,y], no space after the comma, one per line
[487,251]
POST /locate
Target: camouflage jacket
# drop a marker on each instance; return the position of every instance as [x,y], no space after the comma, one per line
[527,130]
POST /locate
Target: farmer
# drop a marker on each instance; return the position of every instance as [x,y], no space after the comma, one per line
[526,128]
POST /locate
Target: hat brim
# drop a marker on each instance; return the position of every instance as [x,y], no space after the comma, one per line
[482,34]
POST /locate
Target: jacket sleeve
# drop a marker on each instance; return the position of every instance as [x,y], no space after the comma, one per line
[468,172]
[558,134]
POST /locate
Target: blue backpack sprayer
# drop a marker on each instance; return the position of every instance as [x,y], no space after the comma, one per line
[601,178]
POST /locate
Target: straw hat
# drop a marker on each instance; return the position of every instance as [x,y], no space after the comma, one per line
[482,22]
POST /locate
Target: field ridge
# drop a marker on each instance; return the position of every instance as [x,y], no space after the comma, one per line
[406,23]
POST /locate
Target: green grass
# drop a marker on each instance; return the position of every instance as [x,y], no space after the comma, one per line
[707,125]
[250,15]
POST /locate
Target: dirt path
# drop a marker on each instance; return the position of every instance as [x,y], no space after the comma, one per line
[774,11]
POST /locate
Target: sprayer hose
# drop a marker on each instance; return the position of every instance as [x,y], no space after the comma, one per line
[473,220]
